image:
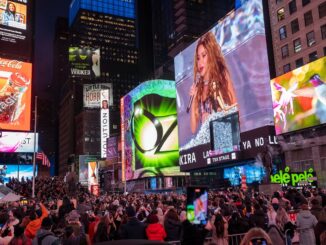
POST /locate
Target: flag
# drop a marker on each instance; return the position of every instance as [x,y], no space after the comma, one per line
[44,158]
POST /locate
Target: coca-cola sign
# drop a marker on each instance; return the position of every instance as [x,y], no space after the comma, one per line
[14,64]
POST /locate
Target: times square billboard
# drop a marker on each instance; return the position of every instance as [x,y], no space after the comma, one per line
[299,97]
[16,28]
[15,94]
[223,88]
[149,134]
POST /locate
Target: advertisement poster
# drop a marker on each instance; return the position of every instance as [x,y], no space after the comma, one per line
[15,27]
[299,97]
[83,167]
[150,133]
[112,148]
[84,62]
[15,95]
[18,142]
[92,94]
[105,121]
[222,83]
[92,174]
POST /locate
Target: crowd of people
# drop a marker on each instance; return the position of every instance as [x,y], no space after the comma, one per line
[57,216]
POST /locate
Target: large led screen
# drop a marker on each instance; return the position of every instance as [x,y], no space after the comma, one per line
[224,72]
[18,142]
[299,97]
[149,131]
[84,62]
[252,172]
[15,94]
[16,27]
[15,171]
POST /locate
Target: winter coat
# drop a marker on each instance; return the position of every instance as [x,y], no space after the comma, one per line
[319,229]
[34,225]
[133,229]
[276,235]
[155,232]
[318,211]
[238,226]
[173,229]
[305,223]
[44,237]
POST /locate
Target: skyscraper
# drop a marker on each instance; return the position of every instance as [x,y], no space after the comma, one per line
[107,29]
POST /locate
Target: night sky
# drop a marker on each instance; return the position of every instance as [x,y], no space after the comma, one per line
[46,13]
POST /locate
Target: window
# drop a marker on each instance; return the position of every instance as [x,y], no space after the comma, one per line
[297,45]
[299,62]
[285,51]
[280,14]
[311,38]
[308,18]
[282,32]
[287,68]
[323,31]
[294,26]
[305,2]
[278,1]
[292,6]
[313,56]
[322,10]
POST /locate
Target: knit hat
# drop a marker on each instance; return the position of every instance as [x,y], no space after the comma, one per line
[275,201]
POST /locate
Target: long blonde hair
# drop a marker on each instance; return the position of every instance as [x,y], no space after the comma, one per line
[218,71]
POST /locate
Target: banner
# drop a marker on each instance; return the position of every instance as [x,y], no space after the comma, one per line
[112,148]
[92,174]
[105,121]
[16,27]
[18,142]
[92,94]
[15,94]
[84,62]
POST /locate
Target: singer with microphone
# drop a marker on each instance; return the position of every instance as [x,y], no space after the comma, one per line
[212,89]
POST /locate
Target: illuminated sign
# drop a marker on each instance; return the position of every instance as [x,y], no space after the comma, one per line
[15,95]
[149,131]
[226,95]
[18,142]
[105,121]
[92,94]
[84,62]
[294,179]
[299,97]
[16,27]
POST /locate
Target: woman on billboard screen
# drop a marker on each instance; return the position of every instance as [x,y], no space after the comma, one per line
[212,89]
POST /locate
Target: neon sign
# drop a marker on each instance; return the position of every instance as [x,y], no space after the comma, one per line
[284,177]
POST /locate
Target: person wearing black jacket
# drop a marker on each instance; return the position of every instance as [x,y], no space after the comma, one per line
[133,229]
[172,226]
[259,218]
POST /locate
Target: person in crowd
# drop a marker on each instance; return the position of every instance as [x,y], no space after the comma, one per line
[256,236]
[101,234]
[305,224]
[172,225]
[133,229]
[36,219]
[82,207]
[320,228]
[19,237]
[44,236]
[316,208]
[219,229]
[65,208]
[258,218]
[237,225]
[155,231]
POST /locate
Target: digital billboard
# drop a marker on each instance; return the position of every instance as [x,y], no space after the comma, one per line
[299,97]
[16,27]
[14,170]
[252,172]
[92,94]
[149,131]
[83,167]
[84,62]
[224,73]
[105,120]
[15,95]
[18,142]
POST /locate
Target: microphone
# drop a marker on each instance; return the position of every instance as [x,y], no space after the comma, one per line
[192,97]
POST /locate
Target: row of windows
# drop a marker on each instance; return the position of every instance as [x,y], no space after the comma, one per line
[297,45]
[299,62]
[307,16]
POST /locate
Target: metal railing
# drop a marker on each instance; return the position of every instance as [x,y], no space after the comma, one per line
[234,239]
